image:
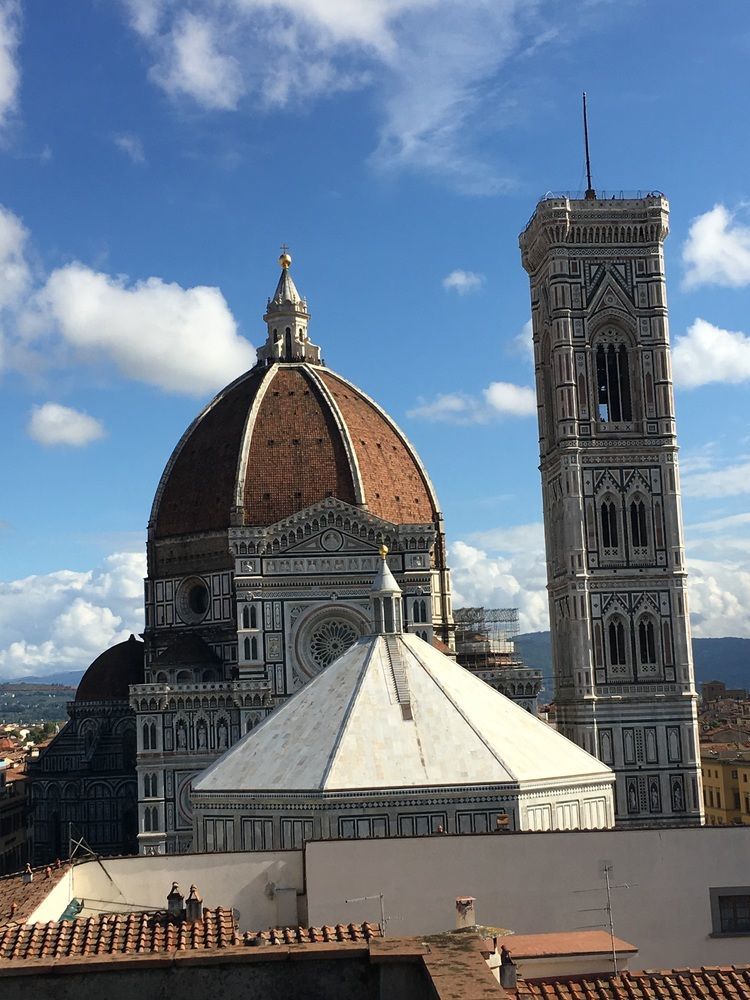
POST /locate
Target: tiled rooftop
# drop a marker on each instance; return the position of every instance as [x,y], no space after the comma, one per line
[118,934]
[158,933]
[708,983]
[563,943]
[19,899]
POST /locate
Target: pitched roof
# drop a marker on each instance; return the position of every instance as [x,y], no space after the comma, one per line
[718,983]
[346,729]
[561,943]
[158,933]
[19,899]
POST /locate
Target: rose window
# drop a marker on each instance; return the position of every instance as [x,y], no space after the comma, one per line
[330,639]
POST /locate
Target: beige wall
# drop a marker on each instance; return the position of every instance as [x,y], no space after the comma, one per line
[533,882]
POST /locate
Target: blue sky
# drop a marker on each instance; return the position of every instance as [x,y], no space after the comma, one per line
[155,153]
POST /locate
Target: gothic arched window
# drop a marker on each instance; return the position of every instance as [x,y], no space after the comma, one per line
[246,617]
[616,641]
[254,648]
[609,525]
[246,648]
[638,536]
[613,383]
[253,617]
[647,642]
[146,740]
[152,735]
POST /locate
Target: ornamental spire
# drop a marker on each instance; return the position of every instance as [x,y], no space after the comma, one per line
[287,318]
[385,598]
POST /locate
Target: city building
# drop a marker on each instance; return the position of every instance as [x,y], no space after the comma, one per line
[485,646]
[611,497]
[396,739]
[262,545]
[83,782]
[726,784]
[15,813]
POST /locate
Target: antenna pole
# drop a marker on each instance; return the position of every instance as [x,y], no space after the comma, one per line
[590,193]
[611,921]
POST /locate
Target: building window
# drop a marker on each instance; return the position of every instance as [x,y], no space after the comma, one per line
[638,536]
[420,611]
[616,637]
[609,525]
[613,383]
[246,617]
[730,910]
[647,642]
[246,648]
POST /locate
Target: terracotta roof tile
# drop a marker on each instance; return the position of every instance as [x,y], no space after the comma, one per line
[564,943]
[19,899]
[313,935]
[297,455]
[118,933]
[707,983]
[395,488]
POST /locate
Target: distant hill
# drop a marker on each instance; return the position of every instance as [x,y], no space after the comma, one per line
[725,660]
[68,678]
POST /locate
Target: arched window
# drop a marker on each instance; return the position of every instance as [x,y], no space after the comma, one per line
[246,648]
[146,737]
[246,616]
[613,383]
[647,642]
[616,641]
[152,735]
[254,648]
[609,525]
[638,535]
[147,820]
[253,617]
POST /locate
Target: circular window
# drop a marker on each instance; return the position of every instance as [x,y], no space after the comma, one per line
[330,639]
[323,635]
[192,600]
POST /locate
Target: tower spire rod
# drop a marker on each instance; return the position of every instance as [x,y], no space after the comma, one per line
[590,193]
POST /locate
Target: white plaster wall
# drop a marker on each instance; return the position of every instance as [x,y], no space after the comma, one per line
[237,880]
[54,904]
[536,882]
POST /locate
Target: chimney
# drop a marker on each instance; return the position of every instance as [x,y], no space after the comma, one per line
[194,906]
[465,912]
[28,875]
[175,899]
[508,969]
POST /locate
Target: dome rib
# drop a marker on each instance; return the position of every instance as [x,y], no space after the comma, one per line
[351,453]
[384,456]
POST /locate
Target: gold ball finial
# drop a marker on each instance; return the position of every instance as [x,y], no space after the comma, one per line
[383,551]
[285,260]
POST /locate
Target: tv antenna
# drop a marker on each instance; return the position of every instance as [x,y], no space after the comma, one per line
[363,899]
[606,871]
[590,193]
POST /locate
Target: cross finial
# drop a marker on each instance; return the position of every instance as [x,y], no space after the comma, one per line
[284,247]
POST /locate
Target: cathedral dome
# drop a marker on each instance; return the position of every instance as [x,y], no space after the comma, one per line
[112,672]
[286,435]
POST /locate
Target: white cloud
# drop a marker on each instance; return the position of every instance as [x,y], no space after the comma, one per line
[732,480]
[194,65]
[709,354]
[130,145]
[463,282]
[432,66]
[499,399]
[717,250]
[511,576]
[63,620]
[52,424]
[10,76]
[181,339]
[523,342]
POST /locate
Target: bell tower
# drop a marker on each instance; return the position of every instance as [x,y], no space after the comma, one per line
[611,495]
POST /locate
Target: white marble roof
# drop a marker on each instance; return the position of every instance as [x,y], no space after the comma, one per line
[347,729]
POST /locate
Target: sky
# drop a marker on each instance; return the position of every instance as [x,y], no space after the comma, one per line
[155,154]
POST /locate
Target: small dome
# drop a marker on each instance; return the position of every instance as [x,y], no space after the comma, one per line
[110,675]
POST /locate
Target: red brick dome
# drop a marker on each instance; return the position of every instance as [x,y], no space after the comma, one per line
[112,672]
[282,437]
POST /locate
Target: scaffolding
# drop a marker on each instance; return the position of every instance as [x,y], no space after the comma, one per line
[497,624]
